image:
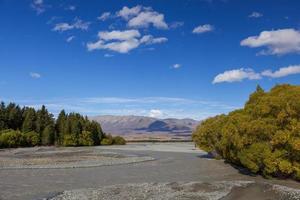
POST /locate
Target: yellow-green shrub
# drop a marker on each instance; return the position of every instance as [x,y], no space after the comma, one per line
[264,136]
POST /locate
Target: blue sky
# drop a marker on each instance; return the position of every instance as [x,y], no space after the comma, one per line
[192,58]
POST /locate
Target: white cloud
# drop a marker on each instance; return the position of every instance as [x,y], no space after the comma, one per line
[119,35]
[78,24]
[142,17]
[176,66]
[35,75]
[277,42]
[122,41]
[236,75]
[69,39]
[156,113]
[149,39]
[255,15]
[203,28]
[119,46]
[104,16]
[38,6]
[284,71]
[241,74]
[71,8]
[126,12]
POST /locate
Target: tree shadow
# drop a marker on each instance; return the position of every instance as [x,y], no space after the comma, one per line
[241,170]
[206,156]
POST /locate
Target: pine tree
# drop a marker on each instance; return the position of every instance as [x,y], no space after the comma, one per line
[59,126]
[29,120]
[48,135]
[3,124]
[14,116]
[43,119]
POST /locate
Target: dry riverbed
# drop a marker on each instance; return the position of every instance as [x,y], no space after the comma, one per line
[161,171]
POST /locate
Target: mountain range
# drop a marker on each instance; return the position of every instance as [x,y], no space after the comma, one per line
[140,125]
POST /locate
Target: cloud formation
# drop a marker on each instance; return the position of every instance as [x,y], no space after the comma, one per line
[69,39]
[122,41]
[156,113]
[236,75]
[35,75]
[284,71]
[38,6]
[104,16]
[142,17]
[203,29]
[242,74]
[176,66]
[71,7]
[277,42]
[255,15]
[77,24]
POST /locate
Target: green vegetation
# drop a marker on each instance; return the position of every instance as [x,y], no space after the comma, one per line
[26,127]
[109,140]
[264,136]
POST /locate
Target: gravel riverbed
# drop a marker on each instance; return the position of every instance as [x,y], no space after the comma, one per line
[152,171]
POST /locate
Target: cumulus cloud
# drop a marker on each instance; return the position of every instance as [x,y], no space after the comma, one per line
[119,41]
[241,74]
[35,75]
[203,28]
[141,17]
[144,19]
[277,42]
[149,39]
[122,41]
[38,6]
[126,12]
[176,66]
[119,35]
[77,24]
[69,39]
[104,16]
[156,113]
[255,15]
[284,71]
[236,75]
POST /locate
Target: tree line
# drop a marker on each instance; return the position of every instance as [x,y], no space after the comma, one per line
[26,126]
[264,136]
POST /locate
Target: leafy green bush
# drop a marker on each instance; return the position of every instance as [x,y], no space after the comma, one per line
[107,140]
[264,136]
[118,140]
[32,138]
[12,139]
[86,138]
[70,140]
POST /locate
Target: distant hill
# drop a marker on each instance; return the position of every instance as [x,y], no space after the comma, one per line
[139,124]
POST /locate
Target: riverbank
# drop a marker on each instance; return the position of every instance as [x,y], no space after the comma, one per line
[175,165]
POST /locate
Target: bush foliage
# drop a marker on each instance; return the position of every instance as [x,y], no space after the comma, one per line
[264,136]
[24,127]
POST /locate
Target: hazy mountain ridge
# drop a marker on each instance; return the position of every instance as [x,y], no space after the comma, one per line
[140,124]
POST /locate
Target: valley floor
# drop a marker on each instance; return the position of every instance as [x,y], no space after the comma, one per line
[133,171]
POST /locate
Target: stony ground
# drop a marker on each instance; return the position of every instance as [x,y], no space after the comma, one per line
[76,157]
[170,171]
[188,191]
